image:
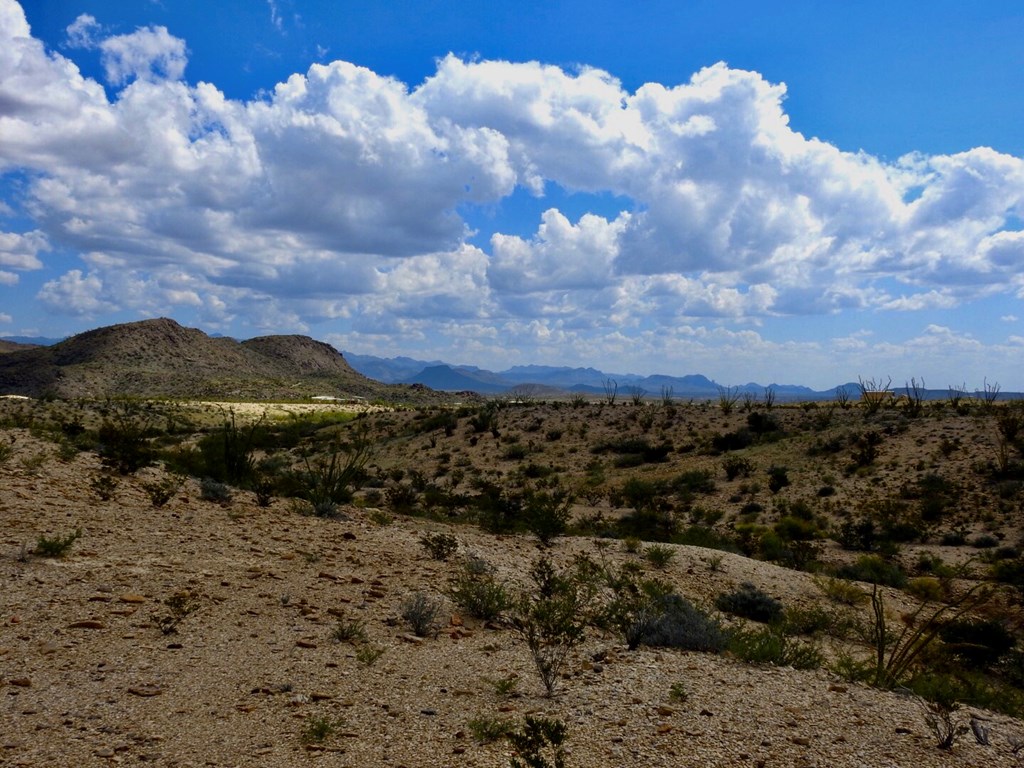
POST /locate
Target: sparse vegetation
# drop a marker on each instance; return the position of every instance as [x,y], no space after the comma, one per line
[56,546]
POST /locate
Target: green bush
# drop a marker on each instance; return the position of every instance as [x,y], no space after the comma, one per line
[875,570]
[751,603]
[440,546]
[551,619]
[768,645]
[540,739]
[651,614]
[478,591]
[57,546]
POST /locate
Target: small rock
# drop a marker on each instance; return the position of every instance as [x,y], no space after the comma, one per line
[145,690]
[838,688]
[87,624]
[132,598]
[801,741]
[665,728]
[665,711]
[104,752]
[22,682]
[320,696]
[305,644]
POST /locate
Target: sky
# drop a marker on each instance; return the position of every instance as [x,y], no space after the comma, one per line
[782,192]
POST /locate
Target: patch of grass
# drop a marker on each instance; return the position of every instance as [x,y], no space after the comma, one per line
[369,654]
[56,546]
[486,729]
[350,631]
[659,556]
[421,613]
[319,728]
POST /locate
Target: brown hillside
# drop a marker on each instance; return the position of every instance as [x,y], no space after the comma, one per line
[13,346]
[160,358]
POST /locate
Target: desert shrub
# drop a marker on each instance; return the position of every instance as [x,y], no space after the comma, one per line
[841,591]
[649,613]
[639,450]
[214,490]
[446,421]
[551,619]
[737,466]
[767,645]
[104,486]
[984,541]
[693,482]
[228,453]
[487,729]
[56,546]
[731,441]
[897,655]
[440,546]
[421,613]
[6,450]
[751,603]
[925,588]
[331,476]
[402,498]
[162,491]
[178,607]
[547,514]
[498,509]
[478,591]
[703,536]
[778,478]
[874,569]
[539,744]
[977,643]
[762,423]
[123,440]
[811,621]
[515,452]
[659,556]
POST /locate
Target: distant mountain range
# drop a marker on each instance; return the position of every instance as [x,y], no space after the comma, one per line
[541,379]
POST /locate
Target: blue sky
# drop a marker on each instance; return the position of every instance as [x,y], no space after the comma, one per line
[786,192]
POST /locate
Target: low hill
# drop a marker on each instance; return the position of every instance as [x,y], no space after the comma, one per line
[160,358]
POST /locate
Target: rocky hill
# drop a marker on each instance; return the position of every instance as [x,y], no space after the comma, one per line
[160,358]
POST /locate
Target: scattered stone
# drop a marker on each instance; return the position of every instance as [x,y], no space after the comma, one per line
[665,711]
[87,624]
[305,644]
[801,741]
[132,598]
[22,682]
[145,690]
[105,752]
[835,688]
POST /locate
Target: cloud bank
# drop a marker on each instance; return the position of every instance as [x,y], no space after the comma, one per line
[342,194]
